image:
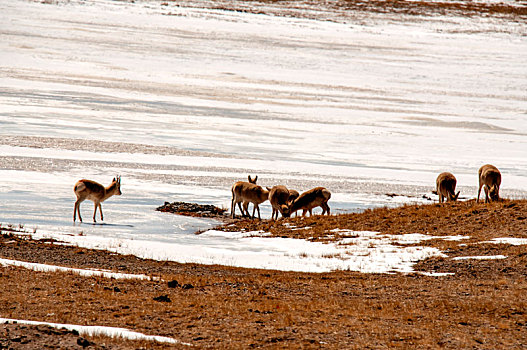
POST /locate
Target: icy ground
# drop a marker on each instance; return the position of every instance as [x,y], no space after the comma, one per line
[183,101]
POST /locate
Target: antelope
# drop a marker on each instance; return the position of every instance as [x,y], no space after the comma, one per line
[256,195]
[97,193]
[279,198]
[446,187]
[316,197]
[293,194]
[245,193]
[490,177]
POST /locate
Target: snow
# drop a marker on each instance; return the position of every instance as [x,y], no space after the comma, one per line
[369,252]
[365,107]
[81,272]
[508,240]
[481,257]
[100,330]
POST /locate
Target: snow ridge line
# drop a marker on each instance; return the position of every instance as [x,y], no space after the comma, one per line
[100,330]
[81,272]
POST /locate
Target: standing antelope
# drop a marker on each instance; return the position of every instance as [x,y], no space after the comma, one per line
[239,190]
[316,197]
[97,193]
[446,187]
[279,198]
[490,177]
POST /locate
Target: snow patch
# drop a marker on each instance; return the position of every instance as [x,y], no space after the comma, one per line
[100,330]
[81,272]
[481,257]
[369,252]
[508,240]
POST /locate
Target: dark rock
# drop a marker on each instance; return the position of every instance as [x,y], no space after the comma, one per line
[163,299]
[84,342]
[173,284]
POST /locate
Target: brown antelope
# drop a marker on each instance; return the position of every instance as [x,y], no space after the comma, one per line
[293,194]
[446,187]
[239,196]
[490,178]
[316,197]
[279,198]
[256,195]
[97,193]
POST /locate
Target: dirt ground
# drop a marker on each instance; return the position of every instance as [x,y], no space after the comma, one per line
[482,305]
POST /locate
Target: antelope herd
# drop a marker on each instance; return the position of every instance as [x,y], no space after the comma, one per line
[287,201]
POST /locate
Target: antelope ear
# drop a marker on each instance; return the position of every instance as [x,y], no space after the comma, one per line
[457,195]
[249,178]
[255,178]
[268,188]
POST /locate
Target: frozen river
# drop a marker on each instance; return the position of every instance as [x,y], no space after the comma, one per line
[183,101]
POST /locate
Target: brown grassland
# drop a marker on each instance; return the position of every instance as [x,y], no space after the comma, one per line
[481,306]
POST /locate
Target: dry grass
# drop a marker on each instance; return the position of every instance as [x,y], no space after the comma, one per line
[481,306]
[478,220]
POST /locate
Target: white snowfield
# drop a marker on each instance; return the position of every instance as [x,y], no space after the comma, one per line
[100,330]
[367,252]
[182,102]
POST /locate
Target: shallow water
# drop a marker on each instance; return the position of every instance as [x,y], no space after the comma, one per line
[181,106]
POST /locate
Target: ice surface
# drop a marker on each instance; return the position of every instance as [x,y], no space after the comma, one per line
[182,102]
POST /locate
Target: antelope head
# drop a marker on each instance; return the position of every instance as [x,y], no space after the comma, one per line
[117,182]
[494,193]
[454,197]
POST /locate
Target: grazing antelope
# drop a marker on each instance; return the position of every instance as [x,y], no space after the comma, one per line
[446,187]
[279,198]
[97,193]
[240,195]
[316,197]
[490,177]
[293,194]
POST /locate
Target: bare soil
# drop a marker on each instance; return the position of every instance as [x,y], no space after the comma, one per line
[481,306]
